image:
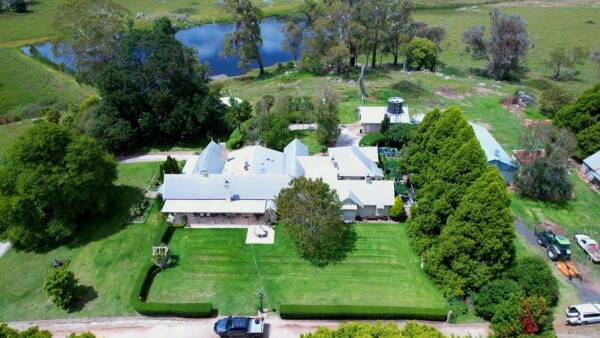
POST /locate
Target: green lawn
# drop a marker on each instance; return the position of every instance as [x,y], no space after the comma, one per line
[27,86]
[106,257]
[217,266]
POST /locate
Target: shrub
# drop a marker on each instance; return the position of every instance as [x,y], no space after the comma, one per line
[61,286]
[32,332]
[492,294]
[554,99]
[517,317]
[378,329]
[400,134]
[458,308]
[236,139]
[588,141]
[422,54]
[536,278]
[397,212]
[82,335]
[297,311]
[373,139]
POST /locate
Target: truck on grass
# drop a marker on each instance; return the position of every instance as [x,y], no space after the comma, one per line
[589,246]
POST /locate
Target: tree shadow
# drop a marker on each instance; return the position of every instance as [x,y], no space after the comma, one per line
[97,227]
[87,294]
[335,253]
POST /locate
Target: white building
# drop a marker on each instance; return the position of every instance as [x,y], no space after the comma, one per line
[371,117]
[590,168]
[240,186]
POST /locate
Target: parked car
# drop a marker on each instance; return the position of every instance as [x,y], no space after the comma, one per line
[240,327]
[582,314]
[559,247]
[590,247]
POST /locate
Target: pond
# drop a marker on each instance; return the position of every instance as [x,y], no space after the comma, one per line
[208,42]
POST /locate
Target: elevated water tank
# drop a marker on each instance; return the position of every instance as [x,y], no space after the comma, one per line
[395,105]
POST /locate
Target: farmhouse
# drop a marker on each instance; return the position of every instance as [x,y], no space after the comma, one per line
[494,153]
[590,168]
[239,187]
[371,117]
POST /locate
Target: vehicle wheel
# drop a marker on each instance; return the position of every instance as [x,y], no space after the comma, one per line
[540,242]
[551,255]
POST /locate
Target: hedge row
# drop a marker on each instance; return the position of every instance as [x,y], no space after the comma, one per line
[295,311]
[144,281]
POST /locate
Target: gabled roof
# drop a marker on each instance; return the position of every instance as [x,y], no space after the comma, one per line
[291,153]
[493,150]
[353,162]
[211,160]
[255,160]
[219,186]
[593,161]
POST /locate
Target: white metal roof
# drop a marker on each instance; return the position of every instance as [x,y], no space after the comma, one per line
[211,159]
[254,160]
[291,153]
[374,115]
[593,161]
[353,162]
[215,206]
[493,150]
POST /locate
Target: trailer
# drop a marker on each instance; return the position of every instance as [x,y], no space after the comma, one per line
[568,269]
[589,246]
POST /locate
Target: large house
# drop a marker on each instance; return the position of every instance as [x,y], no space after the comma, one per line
[240,187]
[494,153]
[371,117]
[590,168]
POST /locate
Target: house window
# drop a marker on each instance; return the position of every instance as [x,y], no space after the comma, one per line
[378,212]
[196,214]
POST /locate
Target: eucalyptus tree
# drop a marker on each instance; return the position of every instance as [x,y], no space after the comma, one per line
[245,41]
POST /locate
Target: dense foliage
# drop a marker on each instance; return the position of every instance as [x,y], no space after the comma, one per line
[563,60]
[376,330]
[554,99]
[90,29]
[50,177]
[476,244]
[461,224]
[62,287]
[505,49]
[517,317]
[536,278]
[155,90]
[544,172]
[492,294]
[169,166]
[310,213]
[328,119]
[397,212]
[32,332]
[582,118]
[422,54]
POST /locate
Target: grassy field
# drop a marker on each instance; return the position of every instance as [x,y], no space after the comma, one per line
[106,257]
[27,86]
[217,266]
[9,134]
[579,215]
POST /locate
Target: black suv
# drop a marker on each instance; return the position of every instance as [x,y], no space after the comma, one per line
[244,327]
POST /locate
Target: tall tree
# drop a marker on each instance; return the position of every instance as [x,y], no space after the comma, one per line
[310,213]
[376,17]
[245,41]
[398,33]
[294,34]
[328,120]
[50,177]
[476,245]
[90,29]
[506,47]
[545,174]
[154,91]
[238,113]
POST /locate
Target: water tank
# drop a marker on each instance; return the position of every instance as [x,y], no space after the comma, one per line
[395,105]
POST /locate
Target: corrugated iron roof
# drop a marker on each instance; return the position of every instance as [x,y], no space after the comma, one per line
[493,150]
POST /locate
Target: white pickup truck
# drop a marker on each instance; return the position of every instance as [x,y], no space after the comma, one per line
[590,247]
[582,314]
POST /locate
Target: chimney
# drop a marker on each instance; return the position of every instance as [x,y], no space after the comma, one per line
[227,191]
[204,172]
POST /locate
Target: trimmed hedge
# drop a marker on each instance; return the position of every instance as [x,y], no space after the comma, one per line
[373,139]
[296,311]
[144,281]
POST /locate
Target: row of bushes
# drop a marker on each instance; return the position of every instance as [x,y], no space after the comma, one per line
[144,281]
[296,311]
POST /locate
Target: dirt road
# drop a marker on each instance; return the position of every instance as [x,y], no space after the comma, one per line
[138,327]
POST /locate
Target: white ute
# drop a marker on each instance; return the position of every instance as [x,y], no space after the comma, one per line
[583,314]
[590,247]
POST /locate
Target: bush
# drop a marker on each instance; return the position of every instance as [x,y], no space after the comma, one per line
[588,141]
[373,139]
[536,278]
[518,317]
[422,54]
[32,332]
[492,294]
[400,134]
[297,311]
[378,329]
[397,212]
[554,99]
[61,286]
[458,308]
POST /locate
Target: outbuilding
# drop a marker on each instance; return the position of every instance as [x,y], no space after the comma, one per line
[590,169]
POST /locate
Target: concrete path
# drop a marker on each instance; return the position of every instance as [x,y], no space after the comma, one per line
[349,135]
[4,247]
[157,157]
[134,327]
